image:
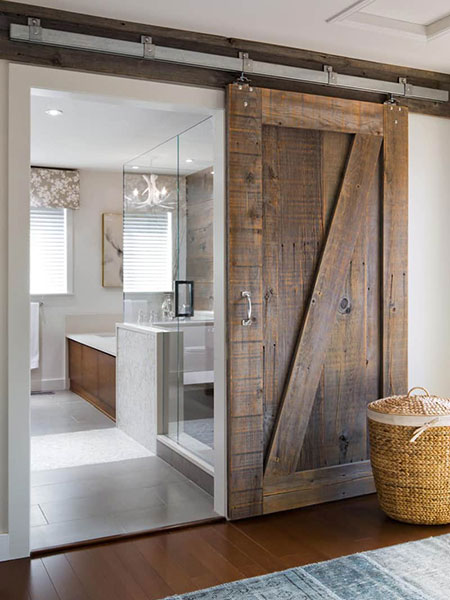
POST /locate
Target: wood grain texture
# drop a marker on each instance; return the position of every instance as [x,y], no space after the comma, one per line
[12,12]
[107,382]
[245,261]
[304,376]
[315,112]
[292,235]
[304,173]
[319,485]
[183,560]
[93,377]
[395,251]
[337,432]
[199,236]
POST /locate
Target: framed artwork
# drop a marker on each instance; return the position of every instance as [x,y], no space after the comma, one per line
[112,250]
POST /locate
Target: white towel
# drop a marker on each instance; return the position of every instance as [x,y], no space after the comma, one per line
[34,335]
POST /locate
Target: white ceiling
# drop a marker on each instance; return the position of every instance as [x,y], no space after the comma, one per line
[102,133]
[300,23]
[414,11]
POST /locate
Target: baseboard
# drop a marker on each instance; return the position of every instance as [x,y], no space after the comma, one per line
[49,385]
[4,547]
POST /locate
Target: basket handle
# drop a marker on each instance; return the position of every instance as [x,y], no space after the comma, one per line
[418,388]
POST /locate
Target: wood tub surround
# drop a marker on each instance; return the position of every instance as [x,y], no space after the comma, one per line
[317,232]
[92,376]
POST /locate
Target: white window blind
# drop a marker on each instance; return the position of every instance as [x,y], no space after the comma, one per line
[147,252]
[48,251]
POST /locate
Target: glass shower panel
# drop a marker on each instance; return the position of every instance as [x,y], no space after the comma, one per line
[151,215]
[195,291]
[169,278]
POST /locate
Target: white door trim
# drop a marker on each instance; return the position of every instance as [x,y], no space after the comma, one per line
[22,79]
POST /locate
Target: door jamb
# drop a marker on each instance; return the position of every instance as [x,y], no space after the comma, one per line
[22,79]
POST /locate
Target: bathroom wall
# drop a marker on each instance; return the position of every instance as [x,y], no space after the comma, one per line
[3,297]
[429,251]
[199,237]
[101,191]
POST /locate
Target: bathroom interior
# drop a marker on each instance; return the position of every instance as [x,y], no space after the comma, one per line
[123,336]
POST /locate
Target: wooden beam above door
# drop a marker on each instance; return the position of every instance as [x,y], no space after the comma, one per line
[11,12]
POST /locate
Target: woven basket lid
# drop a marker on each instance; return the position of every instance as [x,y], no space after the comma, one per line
[412,404]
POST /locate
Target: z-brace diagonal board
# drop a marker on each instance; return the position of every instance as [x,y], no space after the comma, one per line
[314,337]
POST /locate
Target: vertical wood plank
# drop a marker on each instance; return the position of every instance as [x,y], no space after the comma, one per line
[199,236]
[245,263]
[293,233]
[337,432]
[314,336]
[395,251]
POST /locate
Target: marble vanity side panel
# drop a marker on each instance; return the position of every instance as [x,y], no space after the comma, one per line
[137,386]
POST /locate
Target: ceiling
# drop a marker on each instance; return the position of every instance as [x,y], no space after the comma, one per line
[104,133]
[413,33]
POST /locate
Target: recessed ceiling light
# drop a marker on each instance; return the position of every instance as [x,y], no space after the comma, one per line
[54,112]
[212,172]
[189,160]
[135,167]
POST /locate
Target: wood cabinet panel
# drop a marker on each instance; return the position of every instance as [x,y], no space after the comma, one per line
[107,380]
[75,370]
[89,366]
[93,376]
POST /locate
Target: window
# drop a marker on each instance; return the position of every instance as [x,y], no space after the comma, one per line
[147,252]
[49,251]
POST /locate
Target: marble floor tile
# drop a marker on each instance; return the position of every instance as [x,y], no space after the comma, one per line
[105,503]
[163,516]
[37,516]
[101,500]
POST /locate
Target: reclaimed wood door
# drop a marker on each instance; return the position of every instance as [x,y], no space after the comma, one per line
[317,235]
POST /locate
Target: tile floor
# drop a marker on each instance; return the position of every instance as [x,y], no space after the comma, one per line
[100,500]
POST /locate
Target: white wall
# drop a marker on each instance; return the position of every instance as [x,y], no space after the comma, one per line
[3,294]
[100,191]
[429,253]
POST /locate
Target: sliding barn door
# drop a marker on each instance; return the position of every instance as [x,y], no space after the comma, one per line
[317,237]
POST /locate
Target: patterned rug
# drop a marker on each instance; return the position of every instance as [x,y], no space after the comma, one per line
[413,571]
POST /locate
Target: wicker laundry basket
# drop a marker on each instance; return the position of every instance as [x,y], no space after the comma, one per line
[410,456]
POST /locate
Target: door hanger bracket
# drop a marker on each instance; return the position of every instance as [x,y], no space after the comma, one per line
[247,66]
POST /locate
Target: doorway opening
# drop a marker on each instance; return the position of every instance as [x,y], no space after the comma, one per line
[123,305]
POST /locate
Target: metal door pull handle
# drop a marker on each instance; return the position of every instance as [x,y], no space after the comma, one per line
[248,321]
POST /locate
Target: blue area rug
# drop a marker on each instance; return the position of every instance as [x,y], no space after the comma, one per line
[413,571]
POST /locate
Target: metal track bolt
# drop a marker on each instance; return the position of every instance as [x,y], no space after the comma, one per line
[35,29]
[148,47]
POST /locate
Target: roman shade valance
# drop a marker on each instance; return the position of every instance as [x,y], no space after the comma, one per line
[54,188]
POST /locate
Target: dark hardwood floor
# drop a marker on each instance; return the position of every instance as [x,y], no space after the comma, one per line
[162,564]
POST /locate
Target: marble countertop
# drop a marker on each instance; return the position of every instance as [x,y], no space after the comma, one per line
[105,342]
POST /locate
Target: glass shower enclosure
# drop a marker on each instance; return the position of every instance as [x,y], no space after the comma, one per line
[169,277]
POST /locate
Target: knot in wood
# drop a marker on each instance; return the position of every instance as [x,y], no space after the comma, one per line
[345,306]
